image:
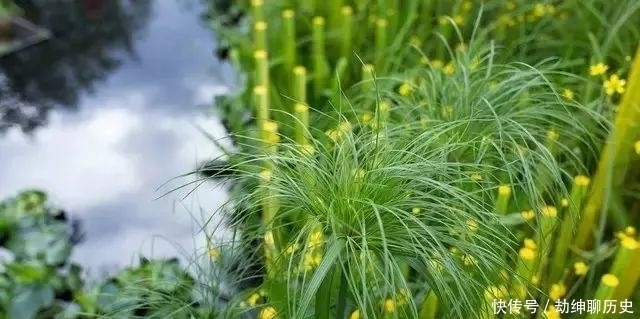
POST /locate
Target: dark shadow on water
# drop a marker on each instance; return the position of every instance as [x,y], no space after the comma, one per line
[90,40]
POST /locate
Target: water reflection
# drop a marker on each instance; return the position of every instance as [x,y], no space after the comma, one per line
[133,128]
[90,38]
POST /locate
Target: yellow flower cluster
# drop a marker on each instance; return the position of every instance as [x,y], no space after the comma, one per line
[336,134]
[557,291]
[613,84]
[580,268]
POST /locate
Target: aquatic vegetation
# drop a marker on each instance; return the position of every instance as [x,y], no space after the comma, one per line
[429,162]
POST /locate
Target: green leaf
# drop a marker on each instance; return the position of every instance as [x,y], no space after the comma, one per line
[29,300]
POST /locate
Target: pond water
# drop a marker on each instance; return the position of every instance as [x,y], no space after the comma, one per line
[105,113]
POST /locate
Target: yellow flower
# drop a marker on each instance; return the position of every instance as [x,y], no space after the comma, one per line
[355,315]
[458,19]
[557,291]
[564,202]
[311,261]
[637,147]
[580,268]
[568,94]
[549,211]
[552,313]
[530,243]
[528,214]
[527,253]
[268,313]
[316,239]
[614,85]
[389,306]
[504,190]
[437,64]
[472,225]
[268,238]
[598,69]
[449,68]
[476,177]
[469,260]
[405,89]
[253,299]
[415,210]
[610,280]
[539,10]
[415,41]
[214,253]
[552,135]
[292,249]
[582,180]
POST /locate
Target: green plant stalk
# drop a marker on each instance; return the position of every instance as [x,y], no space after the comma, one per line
[334,14]
[577,196]
[392,15]
[380,42]
[269,208]
[301,112]
[525,271]
[605,291]
[262,69]
[257,10]
[300,85]
[346,31]
[614,157]
[339,77]
[429,307]
[261,103]
[548,222]
[445,28]
[630,278]
[626,252]
[368,78]
[260,36]
[320,68]
[502,201]
[289,40]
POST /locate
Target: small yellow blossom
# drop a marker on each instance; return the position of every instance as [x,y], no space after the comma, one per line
[472,225]
[467,5]
[316,239]
[552,313]
[291,249]
[415,41]
[557,291]
[476,177]
[528,214]
[214,253]
[527,253]
[552,135]
[311,261]
[355,315]
[582,180]
[530,243]
[614,85]
[405,89]
[610,280]
[637,147]
[568,94]
[253,299]
[437,64]
[415,210]
[598,69]
[389,306]
[268,238]
[535,280]
[443,19]
[564,202]
[549,211]
[580,268]
[539,10]
[268,313]
[449,68]
[504,190]
[458,19]
[630,231]
[469,260]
